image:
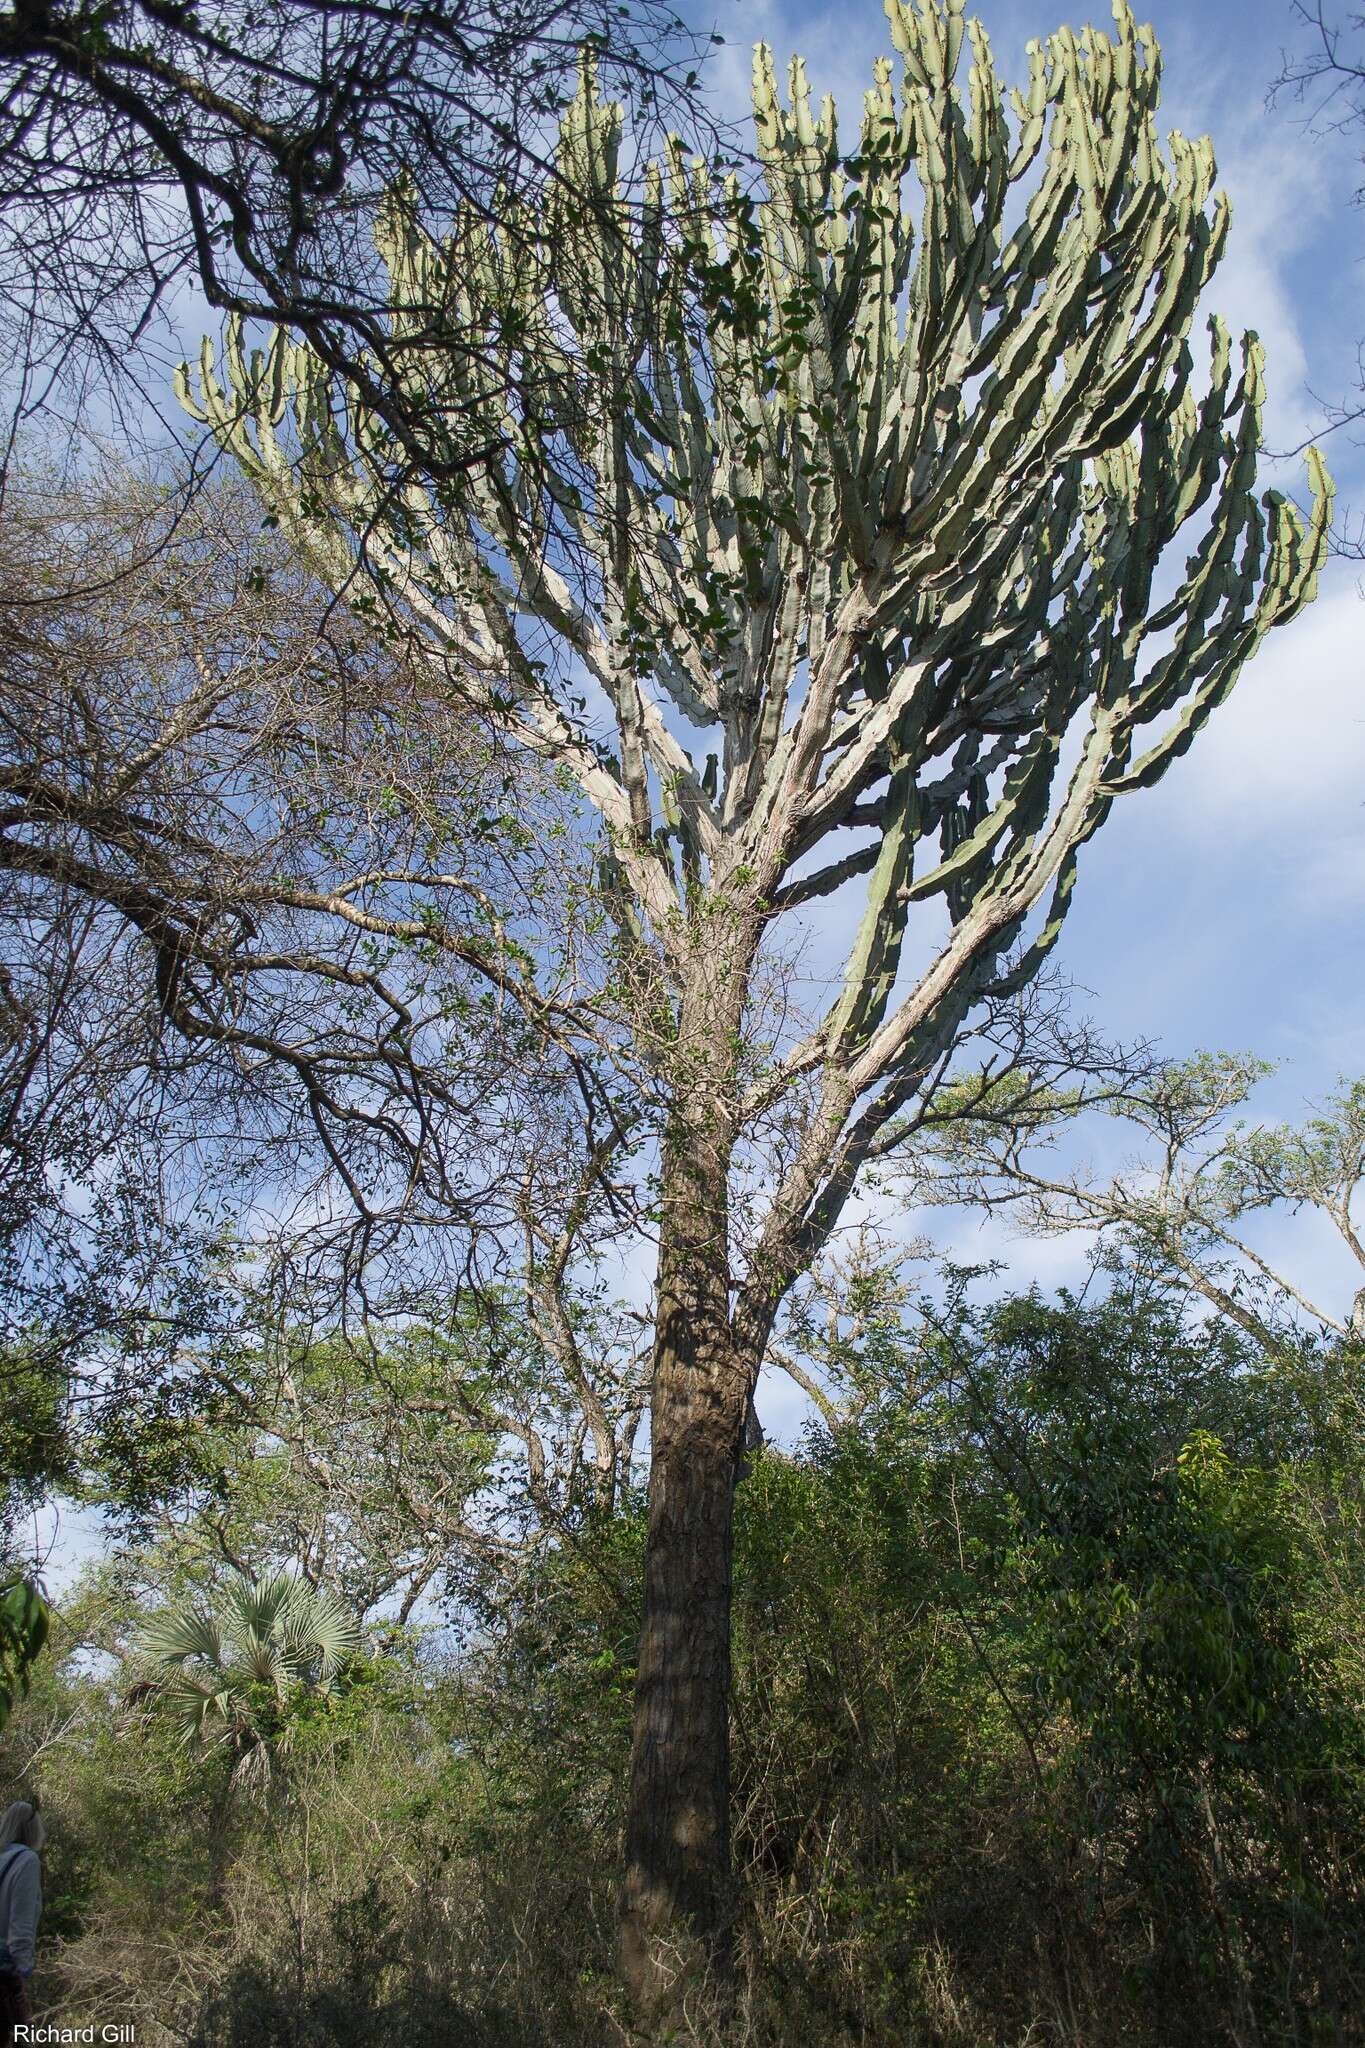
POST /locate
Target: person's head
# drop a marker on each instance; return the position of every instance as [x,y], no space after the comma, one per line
[21,1824]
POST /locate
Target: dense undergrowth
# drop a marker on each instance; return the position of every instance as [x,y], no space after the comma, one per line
[1049,1726]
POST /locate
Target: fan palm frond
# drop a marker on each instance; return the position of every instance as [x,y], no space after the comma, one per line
[180,1632]
[276,1631]
[315,1623]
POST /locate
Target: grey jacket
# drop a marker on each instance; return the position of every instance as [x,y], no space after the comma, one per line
[21,1901]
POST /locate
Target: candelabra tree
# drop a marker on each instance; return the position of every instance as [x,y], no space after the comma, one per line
[825,555]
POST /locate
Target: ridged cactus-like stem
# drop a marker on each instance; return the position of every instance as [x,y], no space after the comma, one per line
[842,505]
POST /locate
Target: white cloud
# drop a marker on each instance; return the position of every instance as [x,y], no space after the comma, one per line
[1282,764]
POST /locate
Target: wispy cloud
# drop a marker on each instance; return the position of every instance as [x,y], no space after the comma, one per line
[1282,765]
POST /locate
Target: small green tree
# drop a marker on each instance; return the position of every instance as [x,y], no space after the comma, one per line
[821,555]
[238,1671]
[1187,1203]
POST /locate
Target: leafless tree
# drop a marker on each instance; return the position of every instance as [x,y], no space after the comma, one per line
[1325,75]
[1328,76]
[267,898]
[151,147]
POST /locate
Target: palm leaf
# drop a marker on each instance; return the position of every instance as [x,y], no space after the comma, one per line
[318,1625]
[276,1630]
[180,1632]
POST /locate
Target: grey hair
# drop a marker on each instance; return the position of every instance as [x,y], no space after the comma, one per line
[21,1823]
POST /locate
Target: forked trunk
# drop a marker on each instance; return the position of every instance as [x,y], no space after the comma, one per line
[679,1903]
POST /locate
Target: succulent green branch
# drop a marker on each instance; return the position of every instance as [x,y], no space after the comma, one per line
[860,482]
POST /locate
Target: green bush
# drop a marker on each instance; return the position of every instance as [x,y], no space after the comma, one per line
[1048,1726]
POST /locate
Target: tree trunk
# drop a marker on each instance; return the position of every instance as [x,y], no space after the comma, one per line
[679,1905]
